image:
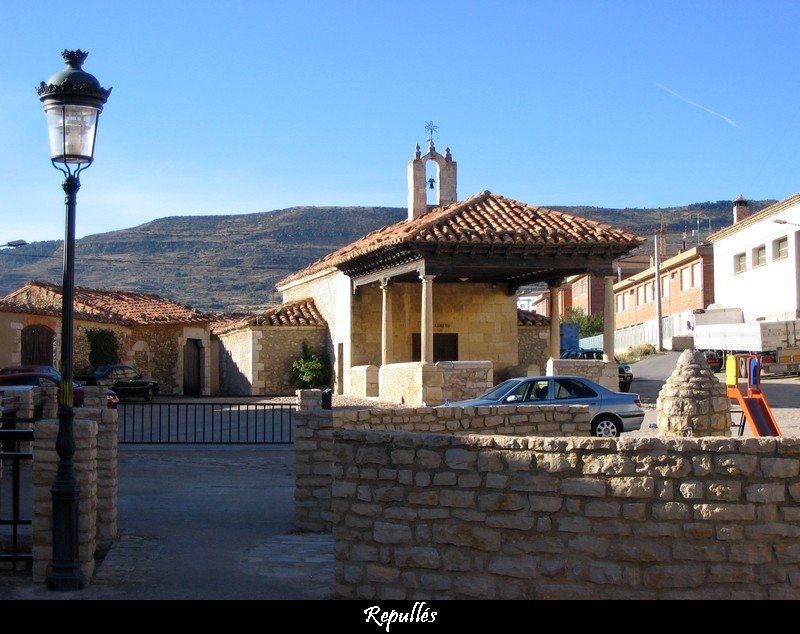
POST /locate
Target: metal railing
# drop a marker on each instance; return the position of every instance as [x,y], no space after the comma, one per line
[205,423]
[13,545]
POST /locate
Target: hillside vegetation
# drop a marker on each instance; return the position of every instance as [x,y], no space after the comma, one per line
[232,262]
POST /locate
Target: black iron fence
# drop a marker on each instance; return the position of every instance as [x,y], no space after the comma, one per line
[205,423]
[15,494]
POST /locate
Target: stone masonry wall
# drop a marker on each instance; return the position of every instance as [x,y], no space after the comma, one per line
[534,351]
[95,458]
[419,515]
[45,465]
[465,379]
[280,347]
[313,434]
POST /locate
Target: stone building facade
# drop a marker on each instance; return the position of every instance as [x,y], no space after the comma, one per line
[166,341]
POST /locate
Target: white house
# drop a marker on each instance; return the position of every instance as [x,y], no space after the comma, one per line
[756,261]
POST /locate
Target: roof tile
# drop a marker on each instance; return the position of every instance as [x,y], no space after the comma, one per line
[125,307]
[484,218]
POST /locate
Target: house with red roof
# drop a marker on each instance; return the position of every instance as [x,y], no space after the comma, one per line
[164,340]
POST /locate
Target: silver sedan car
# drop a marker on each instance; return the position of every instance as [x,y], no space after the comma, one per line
[611,413]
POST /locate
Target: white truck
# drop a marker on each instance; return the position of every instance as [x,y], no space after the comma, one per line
[721,331]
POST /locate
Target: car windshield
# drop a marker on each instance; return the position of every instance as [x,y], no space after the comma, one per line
[498,391]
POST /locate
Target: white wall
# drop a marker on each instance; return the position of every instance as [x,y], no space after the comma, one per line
[769,292]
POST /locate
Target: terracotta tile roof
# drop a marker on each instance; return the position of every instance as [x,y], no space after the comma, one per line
[302,312]
[485,219]
[50,311]
[124,307]
[530,318]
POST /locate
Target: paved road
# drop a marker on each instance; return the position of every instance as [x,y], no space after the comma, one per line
[204,523]
[782,392]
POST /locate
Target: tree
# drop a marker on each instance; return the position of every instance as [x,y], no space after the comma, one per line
[588,325]
[103,346]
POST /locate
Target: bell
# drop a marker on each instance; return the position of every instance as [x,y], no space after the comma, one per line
[430,183]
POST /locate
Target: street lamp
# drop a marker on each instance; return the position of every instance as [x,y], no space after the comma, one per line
[14,244]
[780,221]
[73,100]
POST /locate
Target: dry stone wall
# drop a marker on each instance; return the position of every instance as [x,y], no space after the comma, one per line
[421,515]
[313,434]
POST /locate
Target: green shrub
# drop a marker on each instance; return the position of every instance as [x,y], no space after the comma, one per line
[588,325]
[103,346]
[311,370]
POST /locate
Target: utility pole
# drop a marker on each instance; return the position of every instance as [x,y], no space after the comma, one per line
[660,338]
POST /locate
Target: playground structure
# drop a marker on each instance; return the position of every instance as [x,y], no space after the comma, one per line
[754,405]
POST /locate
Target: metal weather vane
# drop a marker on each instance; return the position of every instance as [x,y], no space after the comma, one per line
[431,129]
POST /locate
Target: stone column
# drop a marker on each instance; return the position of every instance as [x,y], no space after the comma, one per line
[45,465]
[96,408]
[554,310]
[426,335]
[314,475]
[608,318]
[386,323]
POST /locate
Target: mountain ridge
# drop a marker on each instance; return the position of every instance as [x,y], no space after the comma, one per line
[198,260]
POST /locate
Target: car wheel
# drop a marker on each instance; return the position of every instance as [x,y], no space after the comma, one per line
[625,387]
[148,395]
[606,427]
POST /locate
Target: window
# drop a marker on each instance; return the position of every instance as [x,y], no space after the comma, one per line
[697,277]
[739,263]
[780,248]
[570,388]
[445,347]
[686,278]
[665,286]
[759,256]
[639,295]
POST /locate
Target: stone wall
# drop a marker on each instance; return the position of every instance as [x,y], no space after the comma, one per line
[313,434]
[257,360]
[534,351]
[281,346]
[465,379]
[364,381]
[95,459]
[417,516]
[45,466]
[236,363]
[602,372]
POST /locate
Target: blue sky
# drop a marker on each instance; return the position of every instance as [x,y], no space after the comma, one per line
[246,106]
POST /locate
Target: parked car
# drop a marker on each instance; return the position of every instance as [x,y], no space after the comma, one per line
[42,379]
[625,372]
[611,413]
[17,369]
[123,379]
[715,359]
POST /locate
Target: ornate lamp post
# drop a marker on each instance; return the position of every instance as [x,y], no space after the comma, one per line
[73,100]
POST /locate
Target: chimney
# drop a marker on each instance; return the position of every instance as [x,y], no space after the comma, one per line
[741,210]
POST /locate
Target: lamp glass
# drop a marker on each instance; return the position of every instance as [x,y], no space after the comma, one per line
[72,130]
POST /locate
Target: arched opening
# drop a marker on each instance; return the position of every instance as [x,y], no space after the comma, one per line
[431,183]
